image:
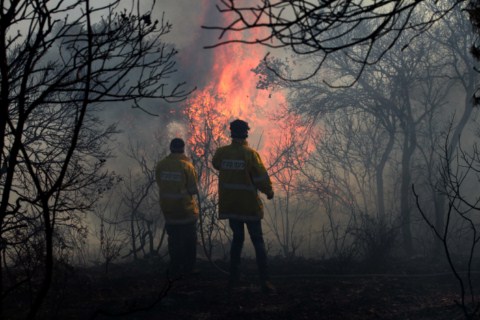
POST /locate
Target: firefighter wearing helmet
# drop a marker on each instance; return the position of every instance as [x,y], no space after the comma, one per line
[177,181]
[241,175]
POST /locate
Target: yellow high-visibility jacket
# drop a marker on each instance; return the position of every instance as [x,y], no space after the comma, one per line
[242,173]
[177,180]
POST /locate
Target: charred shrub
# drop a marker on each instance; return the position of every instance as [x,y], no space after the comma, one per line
[375,241]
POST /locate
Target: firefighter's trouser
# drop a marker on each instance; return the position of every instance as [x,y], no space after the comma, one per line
[182,247]
[256,235]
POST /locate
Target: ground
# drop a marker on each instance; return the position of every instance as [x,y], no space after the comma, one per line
[306,289]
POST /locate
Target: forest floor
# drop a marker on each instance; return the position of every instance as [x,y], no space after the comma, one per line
[306,289]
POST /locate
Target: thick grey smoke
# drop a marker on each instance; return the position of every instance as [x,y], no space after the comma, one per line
[189,38]
[193,65]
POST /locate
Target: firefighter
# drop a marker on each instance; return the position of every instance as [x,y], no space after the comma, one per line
[177,181]
[241,174]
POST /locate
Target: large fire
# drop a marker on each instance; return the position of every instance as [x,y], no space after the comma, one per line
[231,93]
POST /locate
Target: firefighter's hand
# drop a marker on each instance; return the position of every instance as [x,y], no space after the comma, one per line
[270,196]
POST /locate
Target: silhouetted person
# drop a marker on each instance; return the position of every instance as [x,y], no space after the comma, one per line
[177,180]
[242,173]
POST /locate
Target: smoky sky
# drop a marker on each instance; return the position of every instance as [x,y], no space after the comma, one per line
[187,35]
[193,67]
[193,62]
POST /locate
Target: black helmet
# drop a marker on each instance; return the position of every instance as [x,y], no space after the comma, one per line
[239,129]
[177,145]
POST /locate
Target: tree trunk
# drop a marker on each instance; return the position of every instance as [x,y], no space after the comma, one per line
[132,230]
[440,200]
[409,146]
[379,176]
[47,279]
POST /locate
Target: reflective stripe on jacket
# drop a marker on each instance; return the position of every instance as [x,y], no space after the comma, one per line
[242,173]
[177,181]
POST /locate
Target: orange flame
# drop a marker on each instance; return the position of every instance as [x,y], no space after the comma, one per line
[232,93]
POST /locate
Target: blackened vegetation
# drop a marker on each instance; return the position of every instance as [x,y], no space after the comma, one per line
[307,289]
[474,13]
[61,63]
[324,28]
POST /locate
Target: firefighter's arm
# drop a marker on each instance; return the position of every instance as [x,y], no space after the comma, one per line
[191,180]
[157,172]
[260,177]
[216,161]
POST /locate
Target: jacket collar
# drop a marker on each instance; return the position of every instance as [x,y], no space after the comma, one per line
[178,156]
[236,141]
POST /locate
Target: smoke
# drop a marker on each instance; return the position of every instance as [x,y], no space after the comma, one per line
[187,17]
[162,122]
[222,76]
[193,67]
